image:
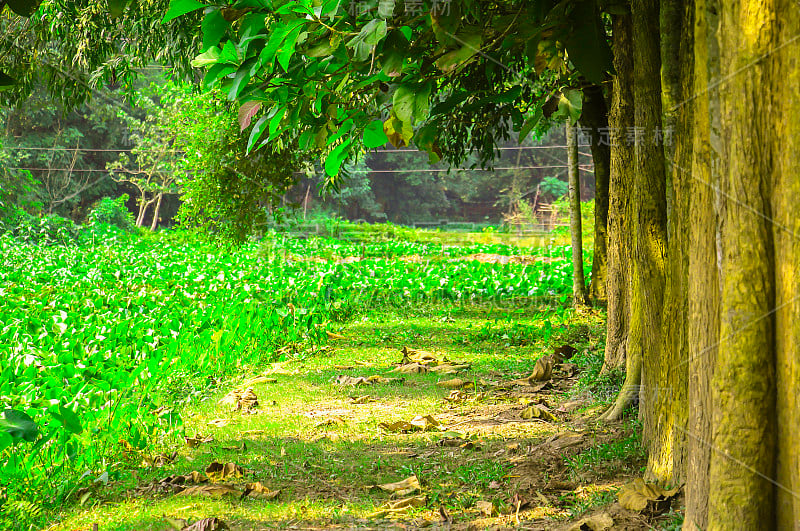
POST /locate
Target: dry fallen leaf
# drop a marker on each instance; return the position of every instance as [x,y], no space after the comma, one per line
[333,421]
[542,371]
[411,368]
[206,524]
[343,379]
[640,496]
[597,522]
[486,508]
[214,491]
[449,368]
[219,423]
[426,422]
[419,356]
[218,471]
[198,439]
[455,383]
[391,508]
[537,412]
[332,335]
[402,488]
[259,491]
[360,399]
[241,400]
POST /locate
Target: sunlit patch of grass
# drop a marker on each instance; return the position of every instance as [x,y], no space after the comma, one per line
[606,458]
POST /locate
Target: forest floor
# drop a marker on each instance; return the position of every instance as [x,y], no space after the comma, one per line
[360,435]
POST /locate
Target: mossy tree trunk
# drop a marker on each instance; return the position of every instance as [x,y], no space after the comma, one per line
[620,120]
[649,219]
[595,118]
[576,231]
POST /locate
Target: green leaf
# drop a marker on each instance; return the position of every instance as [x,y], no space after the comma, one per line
[6,81]
[288,47]
[587,46]
[116,7]
[214,27]
[178,8]
[256,133]
[23,8]
[570,105]
[470,45]
[208,57]
[410,102]
[229,54]
[370,35]
[393,54]
[68,418]
[239,81]
[19,425]
[530,124]
[386,8]
[345,128]
[374,136]
[397,131]
[426,138]
[277,36]
[336,157]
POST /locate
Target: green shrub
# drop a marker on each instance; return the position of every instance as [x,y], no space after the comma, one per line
[47,230]
[112,212]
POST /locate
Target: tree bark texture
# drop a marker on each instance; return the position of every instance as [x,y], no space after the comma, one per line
[578,282]
[619,194]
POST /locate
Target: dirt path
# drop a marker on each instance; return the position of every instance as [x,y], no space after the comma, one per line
[322,441]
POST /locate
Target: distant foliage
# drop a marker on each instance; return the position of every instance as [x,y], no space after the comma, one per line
[47,230]
[110,211]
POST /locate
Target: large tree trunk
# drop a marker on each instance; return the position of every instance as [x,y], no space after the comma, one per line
[669,377]
[578,283]
[649,211]
[704,262]
[595,118]
[620,178]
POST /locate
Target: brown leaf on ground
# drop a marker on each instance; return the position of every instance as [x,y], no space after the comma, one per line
[241,400]
[217,490]
[217,471]
[564,352]
[537,412]
[418,423]
[486,508]
[455,383]
[159,460]
[419,356]
[645,497]
[411,368]
[197,440]
[543,370]
[343,379]
[365,399]
[259,491]
[597,522]
[333,421]
[402,488]
[396,507]
[206,524]
[332,335]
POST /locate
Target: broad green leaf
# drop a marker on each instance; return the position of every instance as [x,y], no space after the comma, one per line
[397,131]
[426,139]
[570,105]
[239,81]
[68,418]
[178,8]
[208,57]
[470,45]
[287,49]
[446,23]
[370,35]
[19,425]
[214,27]
[336,157]
[530,124]
[275,120]
[394,52]
[345,128]
[256,133]
[277,36]
[229,54]
[216,72]
[410,102]
[23,8]
[587,46]
[374,135]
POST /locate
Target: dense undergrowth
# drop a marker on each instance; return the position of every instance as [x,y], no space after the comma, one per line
[106,336]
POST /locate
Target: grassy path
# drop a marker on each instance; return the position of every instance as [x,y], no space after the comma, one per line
[318,439]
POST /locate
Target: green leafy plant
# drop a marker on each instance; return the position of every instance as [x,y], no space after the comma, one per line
[110,211]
